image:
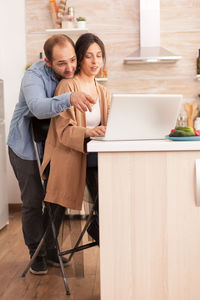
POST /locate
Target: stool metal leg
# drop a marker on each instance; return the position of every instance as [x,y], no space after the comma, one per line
[58,250]
[35,253]
[72,251]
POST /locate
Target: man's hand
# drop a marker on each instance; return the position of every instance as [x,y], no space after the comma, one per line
[82,101]
[97,131]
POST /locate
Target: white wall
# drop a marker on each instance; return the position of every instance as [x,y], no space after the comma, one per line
[12,65]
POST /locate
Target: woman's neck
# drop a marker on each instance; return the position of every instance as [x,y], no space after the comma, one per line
[88,84]
[85,78]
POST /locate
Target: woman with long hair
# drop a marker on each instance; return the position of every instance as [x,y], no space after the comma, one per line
[65,149]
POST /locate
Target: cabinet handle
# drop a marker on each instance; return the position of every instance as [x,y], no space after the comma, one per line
[197,182]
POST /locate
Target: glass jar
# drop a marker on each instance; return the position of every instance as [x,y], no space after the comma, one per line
[181,120]
[197,123]
[68,19]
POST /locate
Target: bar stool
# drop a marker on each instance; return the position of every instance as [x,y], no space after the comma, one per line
[39,130]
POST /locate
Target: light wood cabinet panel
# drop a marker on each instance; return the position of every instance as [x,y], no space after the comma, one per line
[149,226]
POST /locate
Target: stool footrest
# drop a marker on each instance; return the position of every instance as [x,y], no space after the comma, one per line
[80,248]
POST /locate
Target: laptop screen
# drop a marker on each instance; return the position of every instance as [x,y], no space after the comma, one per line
[142,116]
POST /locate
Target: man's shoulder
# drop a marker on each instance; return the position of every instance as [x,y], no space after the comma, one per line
[38,67]
[40,71]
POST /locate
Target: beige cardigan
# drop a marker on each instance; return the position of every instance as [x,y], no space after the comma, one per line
[65,149]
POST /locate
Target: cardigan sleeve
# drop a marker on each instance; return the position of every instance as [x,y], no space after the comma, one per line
[69,134]
[108,97]
[65,125]
[105,103]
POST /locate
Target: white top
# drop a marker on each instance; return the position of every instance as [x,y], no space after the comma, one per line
[93,118]
[143,145]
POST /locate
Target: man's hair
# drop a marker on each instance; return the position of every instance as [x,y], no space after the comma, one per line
[82,45]
[56,39]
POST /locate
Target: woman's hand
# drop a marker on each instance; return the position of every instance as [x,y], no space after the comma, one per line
[97,131]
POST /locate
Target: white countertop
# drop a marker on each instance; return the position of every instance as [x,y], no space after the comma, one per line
[142,145]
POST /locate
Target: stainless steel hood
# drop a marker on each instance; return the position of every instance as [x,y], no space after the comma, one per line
[150,50]
[151,55]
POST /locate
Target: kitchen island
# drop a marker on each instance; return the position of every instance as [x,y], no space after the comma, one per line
[149,205]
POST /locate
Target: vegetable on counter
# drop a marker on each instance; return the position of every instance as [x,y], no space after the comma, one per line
[184,131]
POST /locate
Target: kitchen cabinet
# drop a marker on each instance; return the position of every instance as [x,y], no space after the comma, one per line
[149,220]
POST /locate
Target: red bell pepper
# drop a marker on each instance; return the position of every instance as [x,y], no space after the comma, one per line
[172,130]
[197,132]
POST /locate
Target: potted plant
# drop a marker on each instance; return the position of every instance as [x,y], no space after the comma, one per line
[81,22]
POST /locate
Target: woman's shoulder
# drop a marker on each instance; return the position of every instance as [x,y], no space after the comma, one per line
[102,88]
[67,82]
[104,91]
[67,85]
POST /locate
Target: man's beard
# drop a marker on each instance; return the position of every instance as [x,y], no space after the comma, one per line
[66,75]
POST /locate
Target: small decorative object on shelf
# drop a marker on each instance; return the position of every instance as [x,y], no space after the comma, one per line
[57,12]
[27,66]
[68,19]
[198,77]
[61,12]
[41,56]
[102,75]
[54,11]
[81,22]
[40,59]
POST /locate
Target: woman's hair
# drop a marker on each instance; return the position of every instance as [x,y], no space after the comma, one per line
[56,39]
[82,45]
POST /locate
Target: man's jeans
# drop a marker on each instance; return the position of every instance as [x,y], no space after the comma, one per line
[34,219]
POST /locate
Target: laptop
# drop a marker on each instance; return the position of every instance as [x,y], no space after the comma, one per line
[141,116]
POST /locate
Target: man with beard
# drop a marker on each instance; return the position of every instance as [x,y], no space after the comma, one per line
[36,98]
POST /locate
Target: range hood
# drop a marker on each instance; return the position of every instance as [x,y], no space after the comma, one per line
[150,50]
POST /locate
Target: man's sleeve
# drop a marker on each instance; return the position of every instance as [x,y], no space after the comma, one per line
[35,94]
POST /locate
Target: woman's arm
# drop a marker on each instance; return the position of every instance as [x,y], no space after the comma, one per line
[70,134]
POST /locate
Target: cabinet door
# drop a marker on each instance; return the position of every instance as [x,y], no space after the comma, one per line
[183,227]
[149,226]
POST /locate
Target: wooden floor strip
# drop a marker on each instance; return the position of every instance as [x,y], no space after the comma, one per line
[82,272]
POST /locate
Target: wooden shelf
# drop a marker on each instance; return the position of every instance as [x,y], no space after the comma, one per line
[101,79]
[67,30]
[198,77]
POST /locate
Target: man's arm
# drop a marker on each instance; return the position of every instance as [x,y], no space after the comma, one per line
[42,107]
[36,92]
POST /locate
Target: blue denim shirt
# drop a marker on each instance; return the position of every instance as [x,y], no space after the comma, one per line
[35,99]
